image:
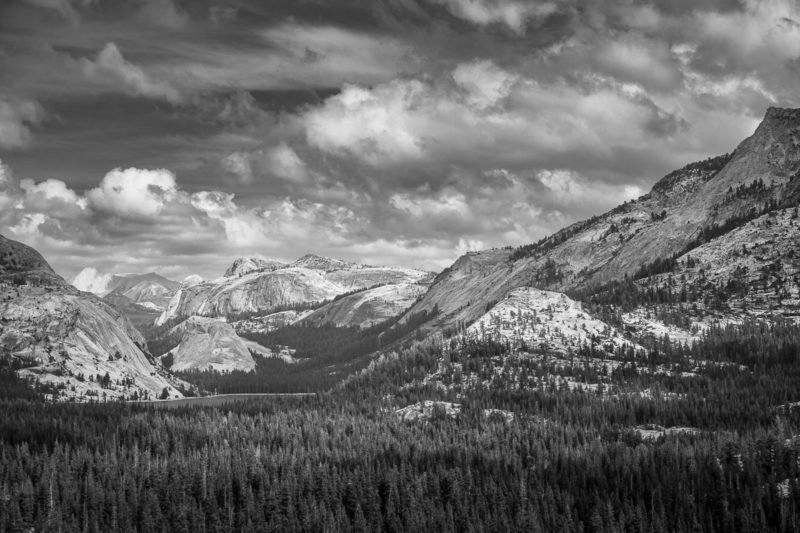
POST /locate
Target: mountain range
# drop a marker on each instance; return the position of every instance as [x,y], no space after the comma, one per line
[715,242]
[726,221]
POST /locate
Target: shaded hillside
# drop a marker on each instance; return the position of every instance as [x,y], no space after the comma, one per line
[21,264]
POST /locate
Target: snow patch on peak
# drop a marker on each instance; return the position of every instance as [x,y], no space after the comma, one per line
[90,280]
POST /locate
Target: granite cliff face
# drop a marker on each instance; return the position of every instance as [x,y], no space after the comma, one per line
[246,265]
[207,343]
[697,204]
[72,343]
[550,321]
[368,308]
[309,282]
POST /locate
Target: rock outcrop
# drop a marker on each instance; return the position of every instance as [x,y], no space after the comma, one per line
[72,344]
[209,344]
[246,265]
[368,307]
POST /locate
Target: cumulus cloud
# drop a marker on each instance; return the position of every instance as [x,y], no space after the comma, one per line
[16,117]
[54,198]
[132,78]
[133,192]
[488,117]
[376,125]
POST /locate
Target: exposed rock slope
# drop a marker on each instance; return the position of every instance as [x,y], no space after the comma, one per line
[213,344]
[72,342]
[369,307]
[550,321]
[270,322]
[686,208]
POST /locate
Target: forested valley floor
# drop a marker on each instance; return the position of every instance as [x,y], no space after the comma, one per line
[699,437]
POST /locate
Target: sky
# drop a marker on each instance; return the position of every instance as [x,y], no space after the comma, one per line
[175,135]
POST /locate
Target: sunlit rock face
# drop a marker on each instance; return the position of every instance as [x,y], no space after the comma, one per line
[73,342]
[369,307]
[547,320]
[246,265]
[309,281]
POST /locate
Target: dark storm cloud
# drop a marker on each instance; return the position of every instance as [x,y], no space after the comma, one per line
[169,134]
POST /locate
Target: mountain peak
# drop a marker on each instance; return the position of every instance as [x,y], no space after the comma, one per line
[777,113]
[318,262]
[246,265]
[20,264]
[91,280]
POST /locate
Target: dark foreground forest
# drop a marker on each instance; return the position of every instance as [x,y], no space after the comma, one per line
[567,461]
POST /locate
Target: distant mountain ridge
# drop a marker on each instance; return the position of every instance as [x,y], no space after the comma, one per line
[258,286]
[149,288]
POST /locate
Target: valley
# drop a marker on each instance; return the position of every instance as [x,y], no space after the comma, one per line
[639,367]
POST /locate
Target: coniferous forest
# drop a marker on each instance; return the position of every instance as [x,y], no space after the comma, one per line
[522,453]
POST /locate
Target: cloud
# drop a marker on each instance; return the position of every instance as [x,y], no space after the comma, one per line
[68,9]
[485,83]
[16,117]
[133,79]
[133,193]
[164,13]
[54,198]
[375,125]
[391,132]
[238,164]
[298,56]
[511,13]
[483,116]
[9,190]
[284,162]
